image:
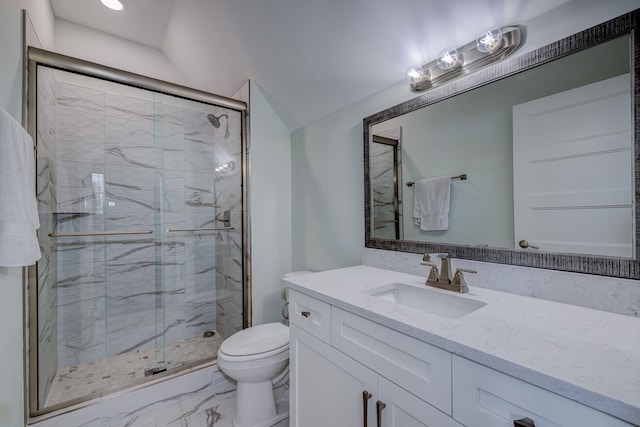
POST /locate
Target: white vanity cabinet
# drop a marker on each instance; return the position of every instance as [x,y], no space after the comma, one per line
[330,387]
[349,371]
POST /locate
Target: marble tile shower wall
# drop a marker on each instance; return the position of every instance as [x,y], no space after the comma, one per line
[383,191]
[125,163]
[229,259]
[47,266]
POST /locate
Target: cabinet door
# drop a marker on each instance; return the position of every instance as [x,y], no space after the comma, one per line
[327,386]
[483,397]
[403,409]
[419,368]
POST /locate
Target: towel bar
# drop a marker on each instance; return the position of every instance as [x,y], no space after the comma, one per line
[460,177]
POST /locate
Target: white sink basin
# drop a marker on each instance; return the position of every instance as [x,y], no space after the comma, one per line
[426,300]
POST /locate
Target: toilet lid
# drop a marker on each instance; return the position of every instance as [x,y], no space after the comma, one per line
[256,340]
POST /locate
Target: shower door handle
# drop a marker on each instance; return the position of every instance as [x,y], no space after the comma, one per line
[176,230]
[99,233]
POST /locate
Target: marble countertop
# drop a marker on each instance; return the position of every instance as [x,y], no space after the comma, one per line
[590,356]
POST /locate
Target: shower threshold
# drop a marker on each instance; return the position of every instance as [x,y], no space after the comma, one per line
[96,378]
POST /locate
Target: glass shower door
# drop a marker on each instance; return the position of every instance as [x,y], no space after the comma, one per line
[140,199]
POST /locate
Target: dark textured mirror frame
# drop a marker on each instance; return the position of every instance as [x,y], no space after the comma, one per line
[625,25]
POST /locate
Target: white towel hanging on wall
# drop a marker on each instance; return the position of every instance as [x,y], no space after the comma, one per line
[431,201]
[18,207]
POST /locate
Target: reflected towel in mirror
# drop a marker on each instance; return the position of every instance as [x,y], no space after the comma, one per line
[431,201]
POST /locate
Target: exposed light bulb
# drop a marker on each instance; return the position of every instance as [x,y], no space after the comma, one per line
[113,4]
[490,40]
[448,59]
[416,74]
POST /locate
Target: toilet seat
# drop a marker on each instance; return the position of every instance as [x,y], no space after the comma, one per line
[254,343]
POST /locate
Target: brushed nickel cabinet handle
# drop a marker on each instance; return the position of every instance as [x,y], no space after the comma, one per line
[379,407]
[305,313]
[365,407]
[524,422]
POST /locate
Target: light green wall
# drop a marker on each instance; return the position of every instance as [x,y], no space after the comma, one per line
[327,184]
[328,198]
[270,207]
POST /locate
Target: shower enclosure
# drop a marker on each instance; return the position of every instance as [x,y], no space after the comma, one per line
[143,229]
[386,167]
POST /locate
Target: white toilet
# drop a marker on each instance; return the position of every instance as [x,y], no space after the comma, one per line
[254,357]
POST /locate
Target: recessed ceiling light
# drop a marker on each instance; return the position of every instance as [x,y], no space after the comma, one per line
[113,4]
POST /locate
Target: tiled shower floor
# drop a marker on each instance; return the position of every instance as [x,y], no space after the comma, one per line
[96,377]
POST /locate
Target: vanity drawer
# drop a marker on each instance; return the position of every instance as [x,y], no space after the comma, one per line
[422,369]
[483,397]
[311,315]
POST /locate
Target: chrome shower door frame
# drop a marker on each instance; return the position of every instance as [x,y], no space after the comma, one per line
[33,58]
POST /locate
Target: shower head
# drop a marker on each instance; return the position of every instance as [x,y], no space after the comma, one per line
[215,121]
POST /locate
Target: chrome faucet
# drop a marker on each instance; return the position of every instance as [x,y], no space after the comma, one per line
[443,279]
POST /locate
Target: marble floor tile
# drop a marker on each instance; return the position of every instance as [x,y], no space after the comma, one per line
[201,398]
[99,376]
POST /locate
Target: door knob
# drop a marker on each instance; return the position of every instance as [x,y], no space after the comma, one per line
[524,245]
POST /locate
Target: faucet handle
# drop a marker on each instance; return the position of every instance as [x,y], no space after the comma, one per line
[458,278]
[434,275]
[433,256]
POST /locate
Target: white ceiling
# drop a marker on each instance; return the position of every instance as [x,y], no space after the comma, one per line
[142,21]
[310,57]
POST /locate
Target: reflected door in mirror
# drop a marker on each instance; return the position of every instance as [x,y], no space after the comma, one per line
[573,171]
[385,169]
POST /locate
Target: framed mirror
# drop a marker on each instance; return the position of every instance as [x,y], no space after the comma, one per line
[539,155]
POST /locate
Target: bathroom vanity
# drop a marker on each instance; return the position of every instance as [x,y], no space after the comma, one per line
[375,347]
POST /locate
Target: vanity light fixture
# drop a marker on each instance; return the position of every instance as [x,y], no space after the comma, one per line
[113,4]
[493,45]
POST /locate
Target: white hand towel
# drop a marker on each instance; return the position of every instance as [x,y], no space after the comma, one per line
[431,201]
[18,207]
